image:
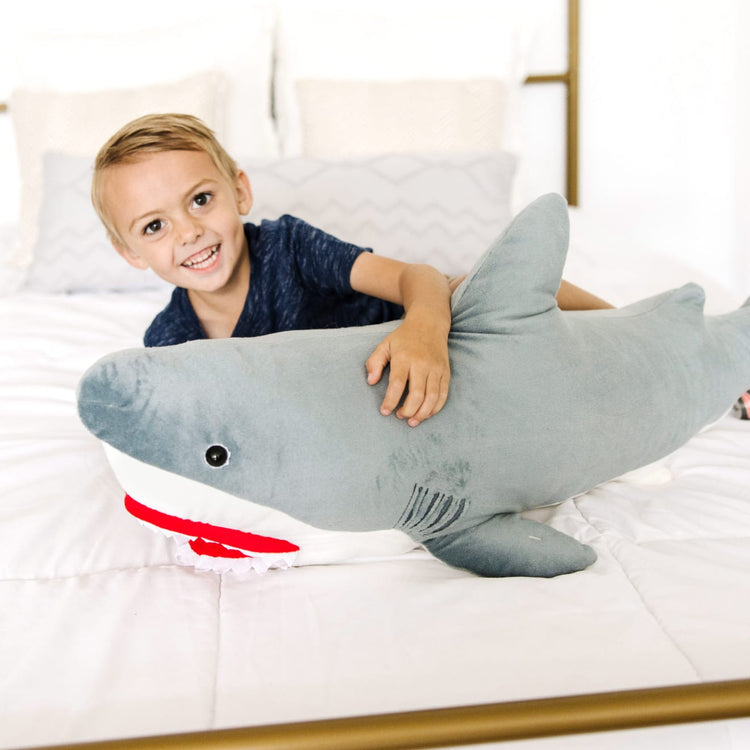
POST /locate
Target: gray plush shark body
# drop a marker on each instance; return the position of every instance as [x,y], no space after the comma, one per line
[544,405]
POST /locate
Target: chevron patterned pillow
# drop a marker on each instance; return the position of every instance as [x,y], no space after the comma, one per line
[442,209]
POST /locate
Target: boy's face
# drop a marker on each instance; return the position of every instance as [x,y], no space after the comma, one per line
[178,215]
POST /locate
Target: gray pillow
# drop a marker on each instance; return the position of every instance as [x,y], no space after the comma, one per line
[442,209]
[72,252]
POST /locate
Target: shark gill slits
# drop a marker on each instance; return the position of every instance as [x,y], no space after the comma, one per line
[430,513]
[217,456]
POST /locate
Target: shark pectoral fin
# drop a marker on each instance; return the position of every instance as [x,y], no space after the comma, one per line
[508,545]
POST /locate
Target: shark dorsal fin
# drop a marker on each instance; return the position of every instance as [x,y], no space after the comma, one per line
[520,273]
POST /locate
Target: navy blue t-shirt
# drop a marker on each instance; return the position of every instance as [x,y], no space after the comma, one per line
[299,279]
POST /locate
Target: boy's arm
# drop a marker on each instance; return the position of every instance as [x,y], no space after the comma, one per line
[417,350]
[569,296]
[572,297]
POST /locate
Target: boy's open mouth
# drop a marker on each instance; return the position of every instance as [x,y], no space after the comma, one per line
[202,259]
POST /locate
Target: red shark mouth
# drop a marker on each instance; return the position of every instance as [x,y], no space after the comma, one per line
[210,540]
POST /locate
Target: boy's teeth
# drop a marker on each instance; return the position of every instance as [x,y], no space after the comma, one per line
[202,258]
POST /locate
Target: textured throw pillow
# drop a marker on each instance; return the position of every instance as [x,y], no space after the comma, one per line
[421,208]
[78,124]
[72,252]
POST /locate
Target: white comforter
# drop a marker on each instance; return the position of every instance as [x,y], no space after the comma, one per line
[102,634]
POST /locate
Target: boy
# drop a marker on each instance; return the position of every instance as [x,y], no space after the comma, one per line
[172,200]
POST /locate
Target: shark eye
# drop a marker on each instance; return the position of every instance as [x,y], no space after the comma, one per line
[216,456]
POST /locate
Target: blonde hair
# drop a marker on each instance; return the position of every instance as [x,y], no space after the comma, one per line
[153,134]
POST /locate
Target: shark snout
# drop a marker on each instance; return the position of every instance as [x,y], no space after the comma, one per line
[107,393]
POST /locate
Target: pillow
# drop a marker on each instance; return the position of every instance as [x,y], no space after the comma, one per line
[10,279]
[604,259]
[233,38]
[336,40]
[72,252]
[79,124]
[441,210]
[543,405]
[421,208]
[404,116]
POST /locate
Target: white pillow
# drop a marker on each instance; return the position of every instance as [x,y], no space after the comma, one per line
[233,38]
[607,261]
[401,116]
[79,124]
[10,279]
[396,40]
[438,209]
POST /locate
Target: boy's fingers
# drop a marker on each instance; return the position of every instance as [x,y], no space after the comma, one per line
[454,281]
[443,397]
[415,398]
[425,401]
[376,364]
[396,386]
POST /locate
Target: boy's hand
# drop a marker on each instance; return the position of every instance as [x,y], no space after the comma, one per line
[417,352]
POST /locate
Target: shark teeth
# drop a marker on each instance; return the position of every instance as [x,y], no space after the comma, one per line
[201,259]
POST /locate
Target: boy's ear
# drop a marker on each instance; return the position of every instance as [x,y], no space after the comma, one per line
[244,193]
[134,259]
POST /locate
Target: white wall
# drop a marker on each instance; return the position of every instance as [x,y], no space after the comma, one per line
[664,103]
[742,131]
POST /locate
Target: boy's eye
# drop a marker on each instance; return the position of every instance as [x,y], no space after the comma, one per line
[153,226]
[202,199]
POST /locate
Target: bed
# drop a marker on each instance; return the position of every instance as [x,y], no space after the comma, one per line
[106,638]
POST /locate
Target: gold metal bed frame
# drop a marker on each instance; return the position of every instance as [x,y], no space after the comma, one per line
[496,722]
[468,725]
[569,79]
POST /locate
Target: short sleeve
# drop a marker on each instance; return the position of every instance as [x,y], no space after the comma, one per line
[323,262]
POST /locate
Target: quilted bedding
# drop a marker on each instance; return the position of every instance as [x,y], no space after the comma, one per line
[103,633]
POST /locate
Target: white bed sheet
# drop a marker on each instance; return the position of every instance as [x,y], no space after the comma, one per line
[103,635]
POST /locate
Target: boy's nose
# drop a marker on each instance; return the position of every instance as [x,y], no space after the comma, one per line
[189,231]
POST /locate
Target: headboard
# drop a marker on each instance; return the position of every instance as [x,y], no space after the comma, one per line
[551,74]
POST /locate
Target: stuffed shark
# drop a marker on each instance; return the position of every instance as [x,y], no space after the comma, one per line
[273,449]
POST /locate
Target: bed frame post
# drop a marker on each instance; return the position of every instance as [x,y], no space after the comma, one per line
[571,166]
[569,79]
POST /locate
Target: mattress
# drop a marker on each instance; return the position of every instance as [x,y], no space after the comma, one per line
[104,634]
